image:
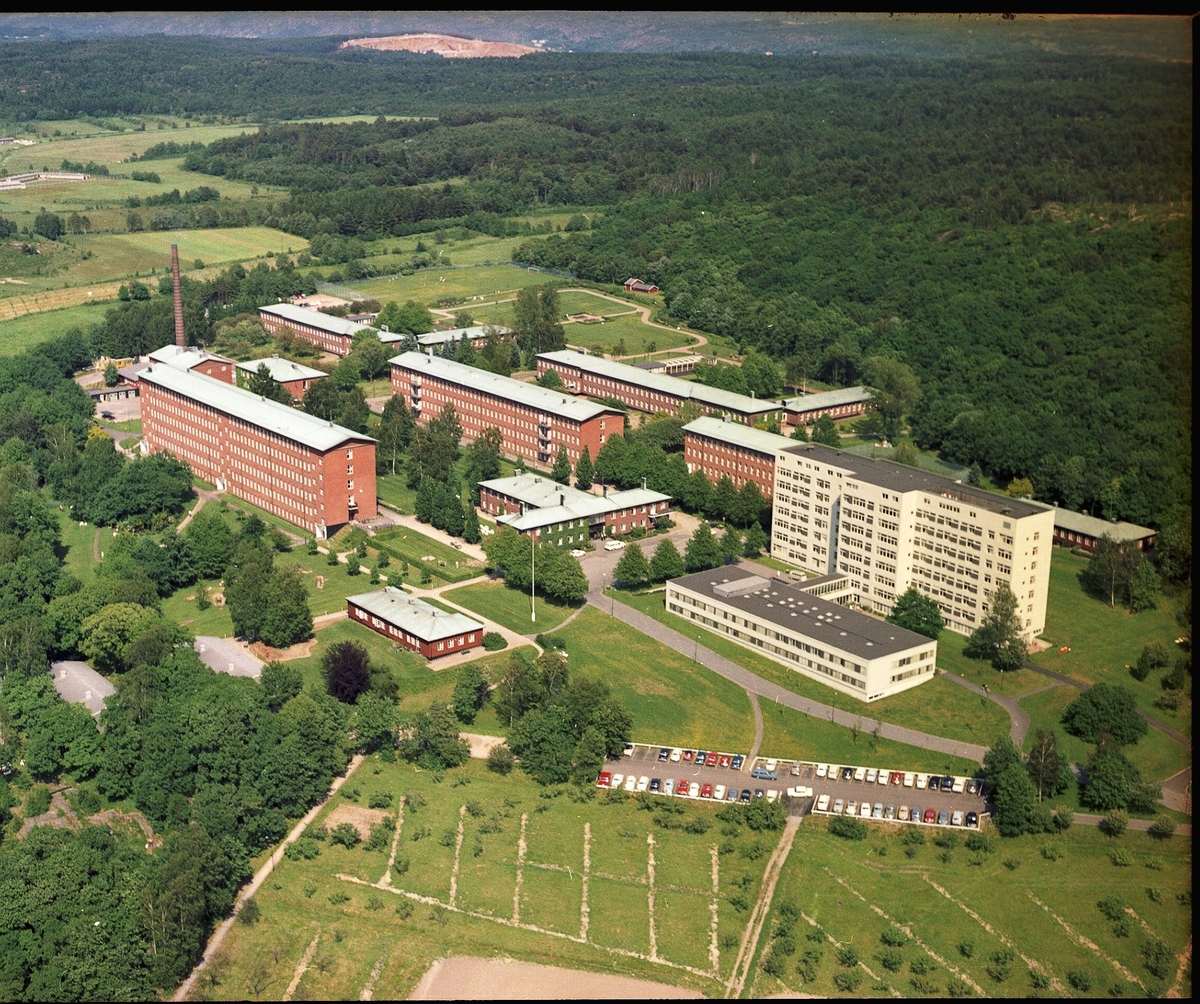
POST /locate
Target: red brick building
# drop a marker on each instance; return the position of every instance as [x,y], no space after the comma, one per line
[837,404]
[415,624]
[728,449]
[642,390]
[534,421]
[1076,529]
[295,378]
[310,472]
[326,332]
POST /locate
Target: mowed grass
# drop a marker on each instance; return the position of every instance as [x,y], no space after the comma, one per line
[1103,640]
[359,928]
[20,333]
[107,147]
[856,890]
[427,285]
[938,706]
[673,700]
[792,735]
[510,607]
[638,337]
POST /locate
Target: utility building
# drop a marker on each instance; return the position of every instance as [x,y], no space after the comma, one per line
[415,624]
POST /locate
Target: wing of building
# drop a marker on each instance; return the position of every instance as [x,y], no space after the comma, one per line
[534,421]
[837,404]
[295,377]
[889,527]
[1076,529]
[729,449]
[415,624]
[305,470]
[332,334]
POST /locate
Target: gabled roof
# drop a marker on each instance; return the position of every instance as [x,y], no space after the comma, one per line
[420,619]
[458,334]
[281,419]
[1092,526]
[828,399]
[315,319]
[632,497]
[708,397]
[282,370]
[552,402]
[535,519]
[737,434]
[184,357]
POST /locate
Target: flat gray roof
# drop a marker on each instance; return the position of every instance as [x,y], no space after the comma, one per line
[1078,522]
[314,318]
[552,402]
[901,478]
[281,419]
[223,656]
[184,357]
[660,383]
[420,619]
[828,399]
[78,683]
[780,602]
[737,434]
[282,370]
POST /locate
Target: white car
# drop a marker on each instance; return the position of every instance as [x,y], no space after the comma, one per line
[838,806]
[957,818]
[631,782]
[908,780]
[772,794]
[871,775]
[772,765]
[851,808]
[614,545]
[922,781]
[883,777]
[719,793]
[643,783]
[823,803]
[629,749]
[960,783]
[865,810]
[694,789]
[860,773]
[617,780]
[822,770]
[903,814]
[668,787]
[577,553]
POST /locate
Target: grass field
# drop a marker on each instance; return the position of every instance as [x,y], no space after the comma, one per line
[424,286]
[1103,641]
[951,902]
[359,927]
[20,333]
[938,707]
[403,544]
[510,607]
[103,146]
[628,328]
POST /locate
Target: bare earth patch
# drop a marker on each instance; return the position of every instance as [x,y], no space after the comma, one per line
[441,45]
[466,978]
[481,745]
[301,650]
[358,817]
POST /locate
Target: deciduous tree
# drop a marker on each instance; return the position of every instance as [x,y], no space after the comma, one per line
[918,613]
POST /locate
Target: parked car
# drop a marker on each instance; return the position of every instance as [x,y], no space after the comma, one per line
[706,791]
[745,795]
[725,760]
[617,781]
[889,812]
[631,782]
[847,773]
[668,787]
[864,810]
[656,784]
[935,782]
[872,774]
[914,814]
[909,779]
[823,803]
[877,811]
[852,808]
[943,817]
[676,754]
[719,793]
[795,770]
[763,774]
[922,781]
[664,754]
[930,816]
[711,759]
[736,762]
[614,545]
[694,789]
[733,795]
[643,783]
[883,777]
[577,552]
[822,770]
[839,806]
[973,786]
[860,773]
[957,818]
[960,784]
[972,819]
[628,749]
[902,815]
[947,783]
[772,764]
[603,780]
[701,756]
[688,755]
[897,777]
[681,788]
[772,794]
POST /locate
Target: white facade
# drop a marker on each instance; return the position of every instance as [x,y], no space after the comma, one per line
[889,527]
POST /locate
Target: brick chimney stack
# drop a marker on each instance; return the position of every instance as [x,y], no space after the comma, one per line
[180,338]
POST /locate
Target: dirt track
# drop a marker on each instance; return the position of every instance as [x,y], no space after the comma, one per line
[467,978]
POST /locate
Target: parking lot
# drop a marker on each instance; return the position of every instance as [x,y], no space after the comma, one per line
[644,761]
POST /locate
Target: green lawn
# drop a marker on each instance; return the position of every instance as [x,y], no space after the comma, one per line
[445,563]
[855,890]
[938,707]
[26,331]
[510,607]
[425,286]
[950,657]
[1103,640]
[628,328]
[359,927]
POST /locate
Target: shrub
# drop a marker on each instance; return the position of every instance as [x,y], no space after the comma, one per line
[249,914]
[1115,823]
[1039,980]
[346,834]
[303,849]
[981,842]
[959,988]
[380,800]
[966,948]
[1158,958]
[1121,859]
[404,910]
[449,837]
[37,801]
[337,898]
[848,828]
[923,985]
[500,759]
[381,835]
[913,838]
[1162,827]
[493,641]
[1051,853]
[847,956]
[848,980]
[893,938]
[1113,907]
[922,965]
[1080,980]
[806,968]
[1012,864]
[892,961]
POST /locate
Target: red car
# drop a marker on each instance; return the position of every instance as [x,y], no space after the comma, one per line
[687,755]
[706,791]
[604,779]
[897,777]
[725,760]
[711,760]
[930,815]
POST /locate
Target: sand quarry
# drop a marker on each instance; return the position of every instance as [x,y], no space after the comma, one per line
[441,45]
[474,979]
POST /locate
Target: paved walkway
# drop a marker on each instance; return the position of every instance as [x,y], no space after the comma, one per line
[754,684]
[1019,716]
[758,731]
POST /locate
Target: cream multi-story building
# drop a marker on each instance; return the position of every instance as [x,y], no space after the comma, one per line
[888,527]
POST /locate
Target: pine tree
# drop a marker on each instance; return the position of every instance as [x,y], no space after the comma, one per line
[426,500]
[633,569]
[471,532]
[800,433]
[561,471]
[454,517]
[584,470]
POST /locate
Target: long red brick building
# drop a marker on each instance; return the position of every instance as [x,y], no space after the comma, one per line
[730,449]
[332,334]
[305,470]
[534,421]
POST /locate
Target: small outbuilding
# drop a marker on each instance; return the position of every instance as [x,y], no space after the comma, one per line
[413,623]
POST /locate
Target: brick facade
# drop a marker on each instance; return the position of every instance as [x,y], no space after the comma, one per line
[431,649]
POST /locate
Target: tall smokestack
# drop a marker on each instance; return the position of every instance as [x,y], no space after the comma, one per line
[180,338]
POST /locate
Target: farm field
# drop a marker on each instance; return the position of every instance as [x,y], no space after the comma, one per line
[22,332]
[938,706]
[495,866]
[105,146]
[1009,922]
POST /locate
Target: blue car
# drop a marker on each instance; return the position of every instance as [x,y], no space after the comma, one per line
[737,762]
[764,775]
[732,796]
